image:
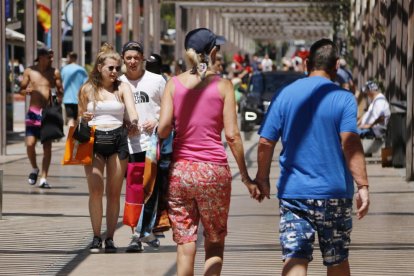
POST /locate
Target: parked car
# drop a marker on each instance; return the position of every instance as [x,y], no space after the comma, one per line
[261,89]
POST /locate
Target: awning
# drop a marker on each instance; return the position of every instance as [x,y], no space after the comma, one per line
[18,39]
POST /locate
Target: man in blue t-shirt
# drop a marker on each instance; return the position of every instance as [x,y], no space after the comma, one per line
[73,77]
[321,158]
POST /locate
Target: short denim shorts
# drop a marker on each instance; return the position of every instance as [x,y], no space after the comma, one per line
[108,142]
[300,219]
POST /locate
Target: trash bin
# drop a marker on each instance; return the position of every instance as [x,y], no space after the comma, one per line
[397,131]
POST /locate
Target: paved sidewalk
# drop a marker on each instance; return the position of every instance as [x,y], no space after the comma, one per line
[47,232]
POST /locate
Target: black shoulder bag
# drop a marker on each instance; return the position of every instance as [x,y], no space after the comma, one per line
[82,132]
[52,121]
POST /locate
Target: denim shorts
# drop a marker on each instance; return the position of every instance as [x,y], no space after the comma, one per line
[301,219]
[108,142]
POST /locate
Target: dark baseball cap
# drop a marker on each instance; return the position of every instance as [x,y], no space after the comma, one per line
[43,52]
[370,86]
[132,45]
[154,64]
[202,40]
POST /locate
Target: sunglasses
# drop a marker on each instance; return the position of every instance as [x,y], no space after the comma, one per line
[111,68]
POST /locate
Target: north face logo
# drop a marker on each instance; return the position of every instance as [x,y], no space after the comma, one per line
[141,97]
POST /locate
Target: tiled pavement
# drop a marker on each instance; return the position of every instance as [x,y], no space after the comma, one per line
[46,232]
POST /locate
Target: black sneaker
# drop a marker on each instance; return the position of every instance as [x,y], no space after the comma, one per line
[135,246]
[151,240]
[96,245]
[110,246]
[154,243]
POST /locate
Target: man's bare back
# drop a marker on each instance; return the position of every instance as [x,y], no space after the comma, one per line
[38,84]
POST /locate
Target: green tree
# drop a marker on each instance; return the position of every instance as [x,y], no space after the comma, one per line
[168,15]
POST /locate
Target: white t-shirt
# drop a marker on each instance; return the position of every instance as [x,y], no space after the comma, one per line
[267,64]
[147,92]
[379,107]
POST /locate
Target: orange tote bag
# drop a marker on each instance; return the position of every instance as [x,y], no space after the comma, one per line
[78,153]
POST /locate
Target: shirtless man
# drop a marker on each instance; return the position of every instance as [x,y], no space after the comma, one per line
[38,82]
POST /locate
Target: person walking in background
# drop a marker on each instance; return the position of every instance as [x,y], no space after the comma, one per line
[218,66]
[256,64]
[321,158]
[154,65]
[373,124]
[179,67]
[344,76]
[267,64]
[147,89]
[73,77]
[40,82]
[103,102]
[199,104]
[238,61]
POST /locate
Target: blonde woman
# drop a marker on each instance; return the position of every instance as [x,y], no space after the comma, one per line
[200,105]
[103,101]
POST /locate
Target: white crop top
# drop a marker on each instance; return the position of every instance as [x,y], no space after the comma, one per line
[106,113]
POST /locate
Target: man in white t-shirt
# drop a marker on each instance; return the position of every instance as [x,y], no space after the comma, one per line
[147,89]
[373,123]
[267,64]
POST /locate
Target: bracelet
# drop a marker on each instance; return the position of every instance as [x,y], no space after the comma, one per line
[244,179]
[361,186]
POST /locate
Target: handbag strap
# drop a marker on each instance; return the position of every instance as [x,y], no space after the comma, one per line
[50,99]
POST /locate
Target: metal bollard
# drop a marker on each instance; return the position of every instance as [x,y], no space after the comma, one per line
[1,194]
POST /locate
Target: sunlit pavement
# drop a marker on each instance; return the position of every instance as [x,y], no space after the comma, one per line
[47,232]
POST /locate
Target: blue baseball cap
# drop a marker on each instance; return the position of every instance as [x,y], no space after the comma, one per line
[202,40]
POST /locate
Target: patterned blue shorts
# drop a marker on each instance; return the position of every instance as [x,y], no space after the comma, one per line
[301,219]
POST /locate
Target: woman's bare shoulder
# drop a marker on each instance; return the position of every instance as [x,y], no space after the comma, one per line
[87,88]
[123,85]
[225,85]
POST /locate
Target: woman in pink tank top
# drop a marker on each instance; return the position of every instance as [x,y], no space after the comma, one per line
[199,105]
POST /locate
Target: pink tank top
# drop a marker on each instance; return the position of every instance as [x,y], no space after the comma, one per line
[198,119]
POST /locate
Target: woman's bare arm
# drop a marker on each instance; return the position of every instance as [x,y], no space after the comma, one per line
[233,137]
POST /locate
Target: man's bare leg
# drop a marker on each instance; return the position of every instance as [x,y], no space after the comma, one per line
[31,154]
[71,122]
[295,266]
[31,150]
[341,269]
[47,156]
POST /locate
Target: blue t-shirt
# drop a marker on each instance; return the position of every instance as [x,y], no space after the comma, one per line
[73,77]
[309,116]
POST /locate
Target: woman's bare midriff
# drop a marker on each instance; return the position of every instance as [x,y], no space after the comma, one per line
[107,127]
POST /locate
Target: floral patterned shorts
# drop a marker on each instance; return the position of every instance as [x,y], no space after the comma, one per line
[197,191]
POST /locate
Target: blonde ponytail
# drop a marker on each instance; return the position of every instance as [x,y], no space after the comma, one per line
[200,63]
